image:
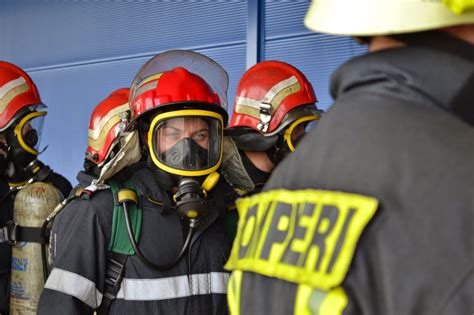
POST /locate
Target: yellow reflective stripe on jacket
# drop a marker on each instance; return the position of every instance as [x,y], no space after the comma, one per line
[306,237]
[233,292]
[309,301]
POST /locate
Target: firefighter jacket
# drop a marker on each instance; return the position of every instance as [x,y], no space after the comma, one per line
[81,235]
[6,214]
[373,214]
[5,250]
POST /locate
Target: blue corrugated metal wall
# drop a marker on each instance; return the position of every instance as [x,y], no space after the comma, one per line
[316,55]
[79,51]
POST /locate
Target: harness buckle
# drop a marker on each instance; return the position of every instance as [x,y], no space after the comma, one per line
[265,116]
[8,233]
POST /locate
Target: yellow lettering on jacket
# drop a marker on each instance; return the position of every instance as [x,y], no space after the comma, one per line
[306,236]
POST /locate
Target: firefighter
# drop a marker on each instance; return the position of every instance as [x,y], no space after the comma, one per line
[275,105]
[373,213]
[21,121]
[110,148]
[5,251]
[107,137]
[154,242]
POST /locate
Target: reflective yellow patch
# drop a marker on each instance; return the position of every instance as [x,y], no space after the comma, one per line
[306,237]
[233,292]
[309,301]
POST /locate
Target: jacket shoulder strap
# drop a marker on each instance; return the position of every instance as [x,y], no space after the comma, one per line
[119,246]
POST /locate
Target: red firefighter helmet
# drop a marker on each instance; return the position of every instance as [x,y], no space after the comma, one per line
[18,94]
[270,96]
[179,77]
[170,90]
[108,119]
[181,90]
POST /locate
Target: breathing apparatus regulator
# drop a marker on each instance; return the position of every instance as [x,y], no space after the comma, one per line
[191,206]
[183,95]
[186,148]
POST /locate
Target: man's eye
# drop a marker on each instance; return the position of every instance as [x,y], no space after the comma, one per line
[172,135]
[201,136]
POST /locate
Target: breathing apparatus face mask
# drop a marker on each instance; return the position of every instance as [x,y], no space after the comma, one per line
[186,146]
[291,136]
[23,142]
[186,154]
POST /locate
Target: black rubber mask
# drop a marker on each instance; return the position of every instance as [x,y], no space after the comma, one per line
[279,151]
[186,154]
[258,177]
[3,165]
[17,157]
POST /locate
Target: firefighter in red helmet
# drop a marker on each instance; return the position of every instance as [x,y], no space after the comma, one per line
[21,122]
[275,105]
[154,242]
[107,127]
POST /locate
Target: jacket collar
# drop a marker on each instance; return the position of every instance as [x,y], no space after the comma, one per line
[424,75]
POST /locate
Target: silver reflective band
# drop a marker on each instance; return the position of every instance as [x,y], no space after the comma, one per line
[75,285]
[7,87]
[173,287]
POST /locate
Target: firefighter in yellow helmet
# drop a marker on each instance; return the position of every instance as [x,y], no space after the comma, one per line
[373,213]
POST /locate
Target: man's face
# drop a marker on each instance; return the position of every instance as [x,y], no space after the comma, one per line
[177,129]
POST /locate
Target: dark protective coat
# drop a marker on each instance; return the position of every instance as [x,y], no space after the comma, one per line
[392,134]
[6,214]
[81,234]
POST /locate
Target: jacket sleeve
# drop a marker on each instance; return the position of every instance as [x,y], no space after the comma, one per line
[79,249]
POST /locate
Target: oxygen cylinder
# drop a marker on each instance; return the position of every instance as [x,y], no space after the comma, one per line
[32,205]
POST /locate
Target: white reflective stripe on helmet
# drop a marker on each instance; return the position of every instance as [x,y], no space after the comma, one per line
[75,285]
[277,88]
[269,96]
[95,133]
[173,287]
[7,87]
[10,90]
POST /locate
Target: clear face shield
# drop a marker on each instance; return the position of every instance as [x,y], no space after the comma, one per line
[209,70]
[29,129]
[186,142]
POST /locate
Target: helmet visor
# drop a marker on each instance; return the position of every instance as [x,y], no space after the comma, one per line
[187,142]
[209,70]
[29,130]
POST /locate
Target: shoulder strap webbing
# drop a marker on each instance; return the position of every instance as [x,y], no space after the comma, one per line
[113,279]
[119,246]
